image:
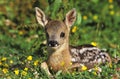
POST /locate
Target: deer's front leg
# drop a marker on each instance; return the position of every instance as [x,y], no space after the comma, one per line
[77,67]
[73,66]
[45,67]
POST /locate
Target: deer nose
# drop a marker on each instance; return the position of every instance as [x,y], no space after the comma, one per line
[53,43]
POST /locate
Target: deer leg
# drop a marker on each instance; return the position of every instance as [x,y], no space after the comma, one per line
[73,67]
[45,67]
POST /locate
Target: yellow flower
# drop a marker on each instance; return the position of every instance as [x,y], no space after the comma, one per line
[112,12]
[71,63]
[29,58]
[110,65]
[84,67]
[74,29]
[20,32]
[94,43]
[4,59]
[16,71]
[62,63]
[95,17]
[11,61]
[36,62]
[110,1]
[0,63]
[85,17]
[26,69]
[73,73]
[24,73]
[8,77]
[111,6]
[5,70]
[96,69]
[6,65]
[95,73]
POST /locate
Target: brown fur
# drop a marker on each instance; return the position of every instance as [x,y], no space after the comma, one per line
[59,61]
[60,54]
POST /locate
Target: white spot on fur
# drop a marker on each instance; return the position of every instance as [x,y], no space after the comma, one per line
[73,50]
[90,49]
[103,57]
[99,60]
[73,60]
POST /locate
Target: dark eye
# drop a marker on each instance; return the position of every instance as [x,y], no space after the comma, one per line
[62,34]
[47,35]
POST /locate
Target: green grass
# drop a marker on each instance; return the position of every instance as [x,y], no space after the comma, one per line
[22,37]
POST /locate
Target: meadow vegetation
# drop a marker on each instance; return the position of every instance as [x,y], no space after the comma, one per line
[22,47]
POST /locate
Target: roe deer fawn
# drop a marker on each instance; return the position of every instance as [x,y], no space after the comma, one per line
[62,56]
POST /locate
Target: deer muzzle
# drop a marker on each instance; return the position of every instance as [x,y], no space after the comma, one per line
[53,43]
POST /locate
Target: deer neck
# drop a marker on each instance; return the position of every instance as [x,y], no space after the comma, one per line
[61,55]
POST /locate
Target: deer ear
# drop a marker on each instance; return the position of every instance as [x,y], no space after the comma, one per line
[70,17]
[40,16]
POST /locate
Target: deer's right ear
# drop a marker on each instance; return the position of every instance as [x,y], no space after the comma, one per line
[40,16]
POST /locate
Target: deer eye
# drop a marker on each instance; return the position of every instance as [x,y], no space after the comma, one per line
[62,34]
[47,35]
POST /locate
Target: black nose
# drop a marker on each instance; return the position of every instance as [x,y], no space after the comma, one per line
[52,43]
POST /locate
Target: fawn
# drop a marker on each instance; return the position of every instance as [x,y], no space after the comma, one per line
[62,56]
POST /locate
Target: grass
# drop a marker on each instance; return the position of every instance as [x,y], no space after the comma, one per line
[21,40]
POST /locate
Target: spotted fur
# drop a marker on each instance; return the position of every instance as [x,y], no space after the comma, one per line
[88,55]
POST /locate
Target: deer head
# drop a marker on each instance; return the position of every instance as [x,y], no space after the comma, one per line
[57,32]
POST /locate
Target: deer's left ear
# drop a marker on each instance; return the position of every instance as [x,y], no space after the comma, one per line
[70,18]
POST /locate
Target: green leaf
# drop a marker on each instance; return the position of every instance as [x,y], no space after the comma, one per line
[56,6]
[95,1]
[79,19]
[58,73]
